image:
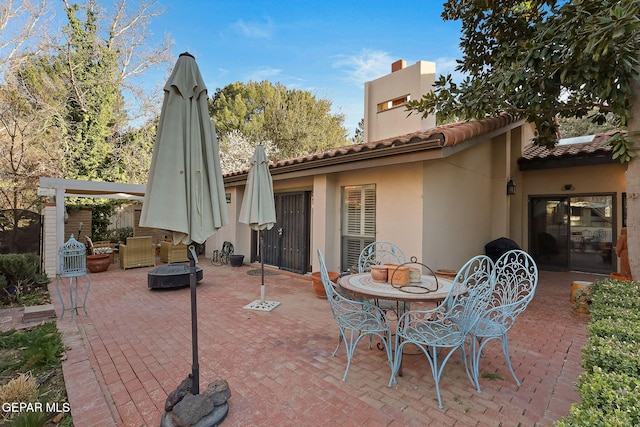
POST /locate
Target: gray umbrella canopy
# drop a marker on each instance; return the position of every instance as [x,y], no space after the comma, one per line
[258,207]
[185,191]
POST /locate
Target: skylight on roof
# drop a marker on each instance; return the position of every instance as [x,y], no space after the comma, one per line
[576,140]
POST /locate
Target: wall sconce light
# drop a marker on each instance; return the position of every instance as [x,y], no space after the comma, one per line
[568,187]
[511,188]
[66,215]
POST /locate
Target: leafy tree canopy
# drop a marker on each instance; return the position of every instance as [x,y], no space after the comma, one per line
[295,121]
[540,59]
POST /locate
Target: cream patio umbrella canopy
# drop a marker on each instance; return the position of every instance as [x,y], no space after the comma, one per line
[258,210]
[185,192]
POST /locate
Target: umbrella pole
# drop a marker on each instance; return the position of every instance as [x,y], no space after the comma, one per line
[262,263]
[195,368]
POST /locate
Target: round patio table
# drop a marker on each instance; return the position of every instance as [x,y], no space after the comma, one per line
[425,291]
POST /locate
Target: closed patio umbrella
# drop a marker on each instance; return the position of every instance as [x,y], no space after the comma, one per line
[185,192]
[258,210]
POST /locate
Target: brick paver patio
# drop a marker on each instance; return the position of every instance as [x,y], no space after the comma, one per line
[135,348]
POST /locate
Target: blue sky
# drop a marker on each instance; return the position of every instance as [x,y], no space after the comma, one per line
[328,48]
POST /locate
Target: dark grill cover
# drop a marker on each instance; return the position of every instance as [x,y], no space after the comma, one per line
[496,248]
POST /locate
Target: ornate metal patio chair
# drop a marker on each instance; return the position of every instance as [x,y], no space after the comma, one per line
[443,330]
[378,253]
[355,319]
[515,281]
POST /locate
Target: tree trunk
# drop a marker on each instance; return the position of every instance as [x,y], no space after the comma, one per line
[633,186]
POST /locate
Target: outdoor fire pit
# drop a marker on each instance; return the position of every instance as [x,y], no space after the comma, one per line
[169,276]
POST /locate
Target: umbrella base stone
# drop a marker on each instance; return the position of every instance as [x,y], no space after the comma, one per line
[214,418]
[261,305]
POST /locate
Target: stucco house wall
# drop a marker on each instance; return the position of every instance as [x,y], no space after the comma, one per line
[410,82]
[441,209]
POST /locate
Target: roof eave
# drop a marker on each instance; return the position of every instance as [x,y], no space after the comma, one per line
[312,164]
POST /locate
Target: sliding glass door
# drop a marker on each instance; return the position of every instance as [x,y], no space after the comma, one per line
[573,233]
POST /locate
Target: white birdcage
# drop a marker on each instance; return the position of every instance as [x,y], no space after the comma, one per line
[73,258]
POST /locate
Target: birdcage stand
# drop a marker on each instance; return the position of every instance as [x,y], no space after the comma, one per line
[73,265]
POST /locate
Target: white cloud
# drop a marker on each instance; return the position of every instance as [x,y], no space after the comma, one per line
[254,30]
[263,73]
[447,65]
[365,66]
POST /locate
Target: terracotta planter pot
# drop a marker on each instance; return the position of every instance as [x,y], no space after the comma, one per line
[98,263]
[379,273]
[318,287]
[619,276]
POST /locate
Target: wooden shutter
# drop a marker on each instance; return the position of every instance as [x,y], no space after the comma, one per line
[358,222]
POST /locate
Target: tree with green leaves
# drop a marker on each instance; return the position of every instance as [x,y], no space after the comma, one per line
[544,59]
[63,91]
[295,121]
[358,136]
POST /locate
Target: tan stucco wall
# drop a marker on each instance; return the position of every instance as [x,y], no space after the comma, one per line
[441,211]
[398,203]
[458,206]
[236,233]
[414,80]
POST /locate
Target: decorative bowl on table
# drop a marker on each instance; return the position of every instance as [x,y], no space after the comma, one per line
[379,273]
[446,273]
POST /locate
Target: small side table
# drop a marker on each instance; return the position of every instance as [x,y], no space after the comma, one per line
[73,302]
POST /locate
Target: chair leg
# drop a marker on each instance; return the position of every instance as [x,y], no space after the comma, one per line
[340,338]
[505,349]
[397,361]
[474,356]
[351,344]
[437,369]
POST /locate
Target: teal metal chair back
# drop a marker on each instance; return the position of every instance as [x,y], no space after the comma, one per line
[355,319]
[378,253]
[515,280]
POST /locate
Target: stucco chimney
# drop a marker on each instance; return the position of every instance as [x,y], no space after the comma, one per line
[398,65]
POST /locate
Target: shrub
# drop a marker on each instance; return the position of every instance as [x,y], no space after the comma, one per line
[612,355]
[610,386]
[21,389]
[619,327]
[20,274]
[608,399]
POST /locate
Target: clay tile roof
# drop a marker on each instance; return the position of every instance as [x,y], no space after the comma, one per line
[445,136]
[455,133]
[597,146]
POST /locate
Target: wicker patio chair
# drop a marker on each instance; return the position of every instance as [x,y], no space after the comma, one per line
[173,253]
[137,252]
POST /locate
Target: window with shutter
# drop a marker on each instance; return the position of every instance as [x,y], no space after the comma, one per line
[358,222]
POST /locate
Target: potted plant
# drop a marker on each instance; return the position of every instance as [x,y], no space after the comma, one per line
[318,287]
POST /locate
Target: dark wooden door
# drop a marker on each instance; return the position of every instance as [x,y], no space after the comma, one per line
[286,245]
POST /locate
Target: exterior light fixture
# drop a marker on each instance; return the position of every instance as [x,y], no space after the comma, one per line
[66,215]
[511,188]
